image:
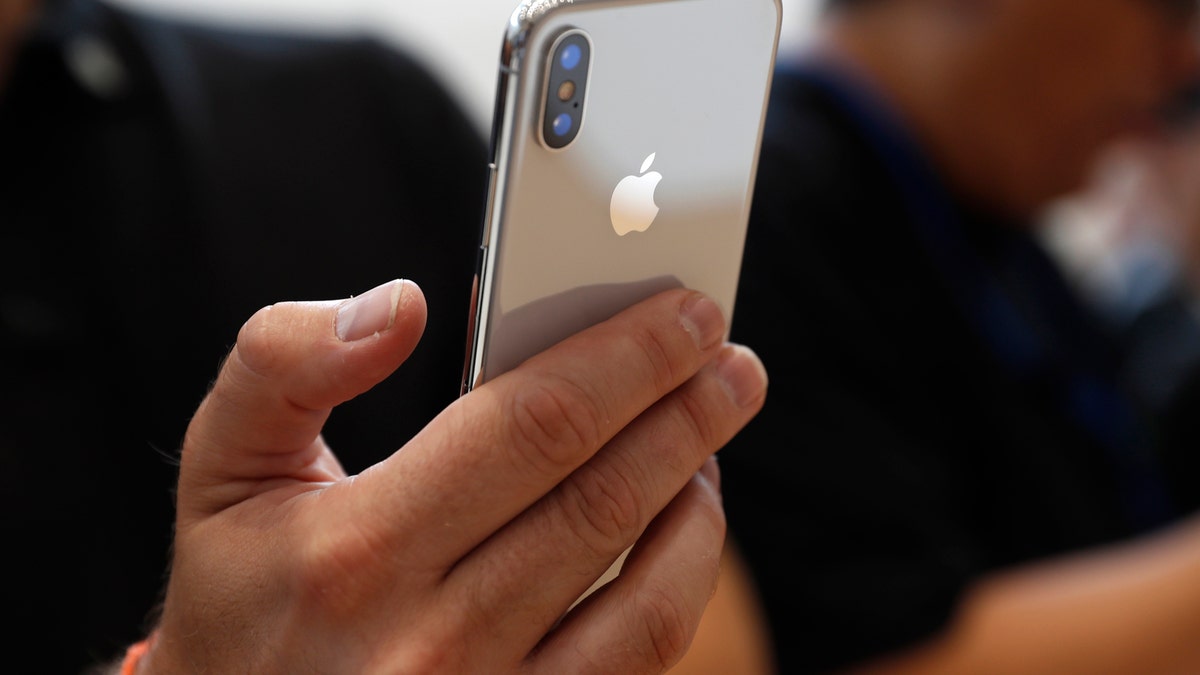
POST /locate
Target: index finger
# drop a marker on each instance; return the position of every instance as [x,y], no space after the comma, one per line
[506,444]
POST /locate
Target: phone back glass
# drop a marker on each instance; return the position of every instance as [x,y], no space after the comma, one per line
[683,80]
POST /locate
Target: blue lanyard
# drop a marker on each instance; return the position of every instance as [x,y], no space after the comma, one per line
[1089,396]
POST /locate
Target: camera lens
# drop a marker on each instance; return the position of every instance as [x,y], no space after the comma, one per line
[570,56]
[562,124]
[568,63]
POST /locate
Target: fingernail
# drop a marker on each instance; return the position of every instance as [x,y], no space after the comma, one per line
[742,374]
[702,319]
[370,313]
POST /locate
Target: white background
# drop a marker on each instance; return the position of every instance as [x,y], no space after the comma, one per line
[458,39]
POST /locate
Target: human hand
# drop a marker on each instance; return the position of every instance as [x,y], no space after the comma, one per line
[1134,232]
[461,552]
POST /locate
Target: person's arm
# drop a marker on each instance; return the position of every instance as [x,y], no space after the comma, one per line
[1133,608]
[462,551]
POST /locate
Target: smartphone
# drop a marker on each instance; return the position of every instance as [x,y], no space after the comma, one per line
[624,144]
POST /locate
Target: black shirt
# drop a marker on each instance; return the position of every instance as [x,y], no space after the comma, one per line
[942,404]
[162,182]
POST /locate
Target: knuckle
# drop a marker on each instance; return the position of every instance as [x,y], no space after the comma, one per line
[697,416]
[423,657]
[553,425]
[667,622]
[657,353]
[695,426]
[257,349]
[336,574]
[604,509]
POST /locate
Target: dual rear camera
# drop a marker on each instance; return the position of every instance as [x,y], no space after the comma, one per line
[565,88]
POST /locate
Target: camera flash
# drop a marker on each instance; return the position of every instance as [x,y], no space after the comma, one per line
[566,90]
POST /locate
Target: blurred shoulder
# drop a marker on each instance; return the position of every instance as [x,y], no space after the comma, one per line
[205,66]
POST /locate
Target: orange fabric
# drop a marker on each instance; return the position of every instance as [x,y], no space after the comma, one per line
[134,654]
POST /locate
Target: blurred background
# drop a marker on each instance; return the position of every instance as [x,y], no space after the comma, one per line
[1103,235]
[460,41]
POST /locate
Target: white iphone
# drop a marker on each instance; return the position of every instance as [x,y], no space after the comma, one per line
[624,147]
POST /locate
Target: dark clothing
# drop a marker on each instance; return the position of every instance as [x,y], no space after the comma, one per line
[942,405]
[162,182]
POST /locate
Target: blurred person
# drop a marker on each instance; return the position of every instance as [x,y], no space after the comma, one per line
[958,470]
[165,180]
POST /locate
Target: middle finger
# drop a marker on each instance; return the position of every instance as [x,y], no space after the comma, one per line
[507,444]
[520,581]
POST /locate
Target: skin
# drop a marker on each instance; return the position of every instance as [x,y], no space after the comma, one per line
[1015,100]
[734,634]
[1124,609]
[463,550]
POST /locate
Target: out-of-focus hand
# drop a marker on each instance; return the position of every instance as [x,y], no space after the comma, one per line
[1134,232]
[461,552]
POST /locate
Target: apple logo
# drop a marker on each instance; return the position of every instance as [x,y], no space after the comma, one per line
[633,208]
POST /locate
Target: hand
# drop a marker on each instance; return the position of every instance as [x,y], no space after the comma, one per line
[462,551]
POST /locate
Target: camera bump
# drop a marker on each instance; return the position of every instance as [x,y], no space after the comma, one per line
[566,87]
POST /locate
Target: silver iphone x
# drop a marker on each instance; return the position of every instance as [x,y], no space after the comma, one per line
[624,147]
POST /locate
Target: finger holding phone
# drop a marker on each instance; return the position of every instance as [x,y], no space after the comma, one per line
[462,551]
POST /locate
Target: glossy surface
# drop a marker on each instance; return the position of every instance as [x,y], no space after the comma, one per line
[676,88]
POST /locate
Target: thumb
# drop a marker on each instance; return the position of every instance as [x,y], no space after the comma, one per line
[293,362]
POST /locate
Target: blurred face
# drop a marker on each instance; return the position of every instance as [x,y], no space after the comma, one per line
[1052,81]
